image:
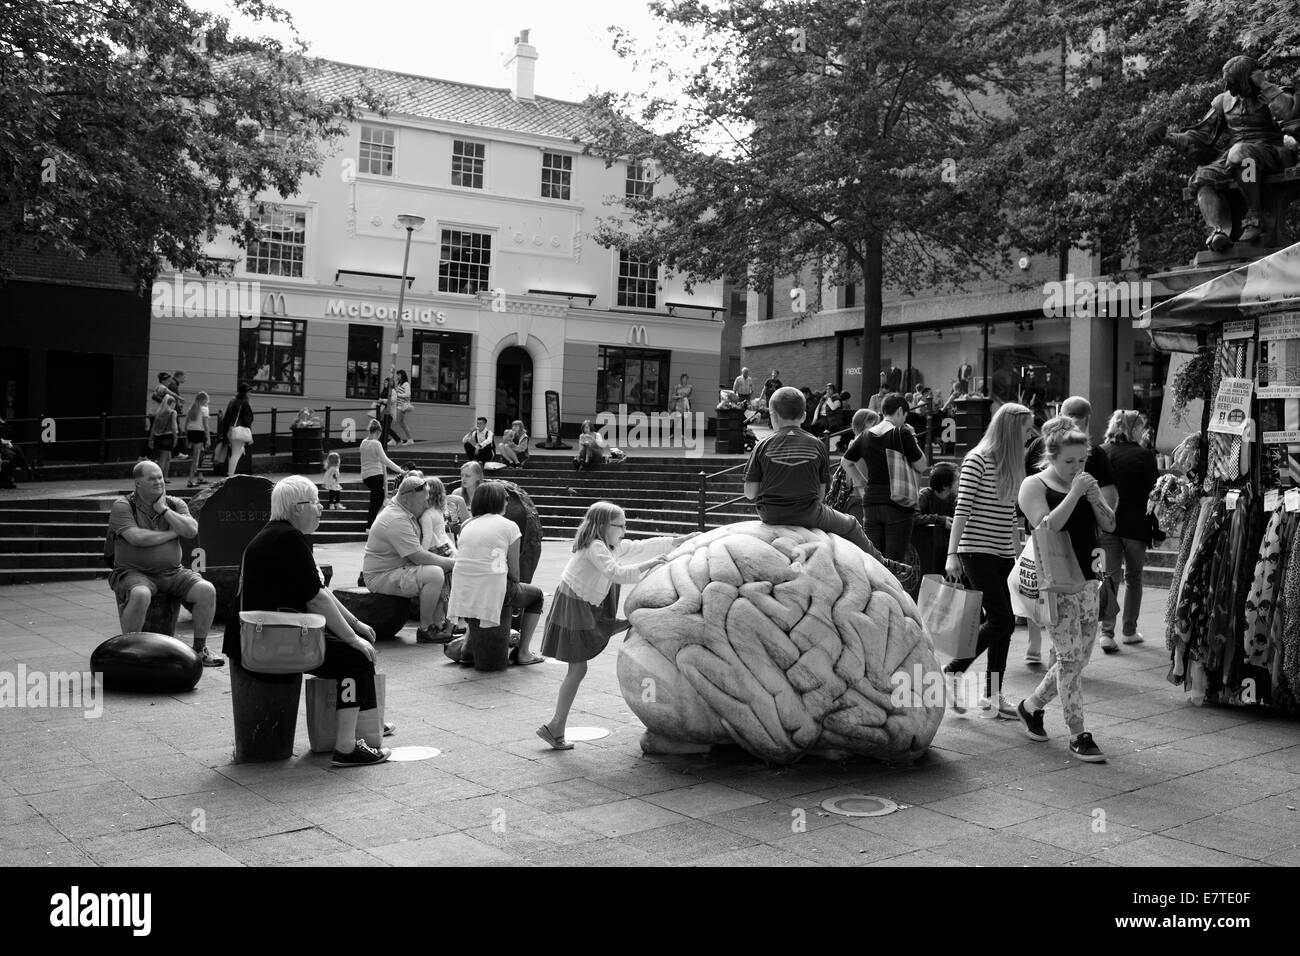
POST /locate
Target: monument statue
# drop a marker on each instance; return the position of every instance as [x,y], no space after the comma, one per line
[1253,114]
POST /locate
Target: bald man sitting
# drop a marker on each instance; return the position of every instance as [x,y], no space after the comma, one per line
[145,529]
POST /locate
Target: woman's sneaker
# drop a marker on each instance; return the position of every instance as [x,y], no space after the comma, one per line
[1033,723]
[998,706]
[1134,638]
[1083,747]
[1108,644]
[362,756]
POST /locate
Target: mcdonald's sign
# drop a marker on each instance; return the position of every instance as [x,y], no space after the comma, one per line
[273,304]
[637,335]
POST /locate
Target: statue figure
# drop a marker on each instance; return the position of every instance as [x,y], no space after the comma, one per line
[1254,113]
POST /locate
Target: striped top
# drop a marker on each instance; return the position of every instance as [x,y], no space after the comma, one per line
[990,519]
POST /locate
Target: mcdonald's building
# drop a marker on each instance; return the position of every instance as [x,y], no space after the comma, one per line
[506,294]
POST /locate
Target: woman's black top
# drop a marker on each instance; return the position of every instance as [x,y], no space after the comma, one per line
[1081,527]
[279,575]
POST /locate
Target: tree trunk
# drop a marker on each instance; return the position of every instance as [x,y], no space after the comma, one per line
[873,311]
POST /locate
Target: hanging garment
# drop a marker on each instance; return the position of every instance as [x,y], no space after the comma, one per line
[1291,623]
[1281,690]
[1223,571]
[1229,455]
[1261,603]
[1192,534]
[1192,610]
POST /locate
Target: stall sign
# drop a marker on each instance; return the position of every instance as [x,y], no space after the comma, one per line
[1231,412]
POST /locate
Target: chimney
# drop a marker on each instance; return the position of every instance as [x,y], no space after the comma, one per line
[522,64]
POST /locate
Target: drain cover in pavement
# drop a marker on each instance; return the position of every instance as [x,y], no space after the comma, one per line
[401,754]
[585,733]
[859,805]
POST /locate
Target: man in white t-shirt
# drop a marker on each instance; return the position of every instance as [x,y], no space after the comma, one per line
[743,386]
[478,443]
[396,563]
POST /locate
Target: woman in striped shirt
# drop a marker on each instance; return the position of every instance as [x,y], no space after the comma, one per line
[983,547]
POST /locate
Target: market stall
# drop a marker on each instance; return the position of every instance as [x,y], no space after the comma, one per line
[1233,620]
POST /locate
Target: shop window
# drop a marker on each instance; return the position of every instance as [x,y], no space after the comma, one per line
[639,181]
[557,175]
[638,281]
[273,355]
[1029,363]
[365,343]
[467,161]
[635,377]
[440,370]
[377,151]
[282,244]
[465,261]
[949,361]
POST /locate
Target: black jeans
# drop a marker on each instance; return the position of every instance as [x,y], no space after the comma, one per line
[890,529]
[988,574]
[376,485]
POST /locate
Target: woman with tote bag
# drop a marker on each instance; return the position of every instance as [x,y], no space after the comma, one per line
[982,548]
[1064,497]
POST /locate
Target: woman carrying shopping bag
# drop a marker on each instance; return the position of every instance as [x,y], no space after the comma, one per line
[1063,497]
[982,548]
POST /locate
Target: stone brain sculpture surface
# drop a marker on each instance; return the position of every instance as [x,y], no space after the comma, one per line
[783,640]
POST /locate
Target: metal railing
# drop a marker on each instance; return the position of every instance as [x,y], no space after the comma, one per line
[103,438]
[705,508]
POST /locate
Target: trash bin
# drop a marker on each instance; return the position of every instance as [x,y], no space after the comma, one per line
[729,438]
[307,446]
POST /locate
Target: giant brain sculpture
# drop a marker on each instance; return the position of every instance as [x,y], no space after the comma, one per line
[783,640]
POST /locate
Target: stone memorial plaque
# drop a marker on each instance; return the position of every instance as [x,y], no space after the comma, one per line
[229,516]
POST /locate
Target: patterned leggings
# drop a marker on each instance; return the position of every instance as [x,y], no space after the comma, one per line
[1072,639]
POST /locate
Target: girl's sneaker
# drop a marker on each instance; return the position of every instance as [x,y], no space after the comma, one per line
[1083,747]
[361,756]
[1033,723]
[998,706]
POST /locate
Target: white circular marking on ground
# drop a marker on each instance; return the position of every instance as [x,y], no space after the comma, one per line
[859,805]
[585,733]
[403,754]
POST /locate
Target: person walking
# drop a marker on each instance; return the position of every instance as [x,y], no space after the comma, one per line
[196,436]
[384,411]
[402,406]
[888,521]
[375,465]
[982,549]
[1065,497]
[163,434]
[1135,473]
[237,427]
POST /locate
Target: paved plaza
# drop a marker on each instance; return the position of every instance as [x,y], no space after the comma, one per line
[151,782]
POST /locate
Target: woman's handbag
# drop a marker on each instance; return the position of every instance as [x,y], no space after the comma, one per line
[241,433]
[281,642]
[904,490]
[1058,568]
[951,613]
[220,452]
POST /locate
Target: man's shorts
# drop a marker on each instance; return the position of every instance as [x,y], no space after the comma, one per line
[399,583]
[177,583]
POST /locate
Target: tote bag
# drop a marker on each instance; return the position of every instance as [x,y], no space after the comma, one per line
[1027,600]
[1058,568]
[951,613]
[904,490]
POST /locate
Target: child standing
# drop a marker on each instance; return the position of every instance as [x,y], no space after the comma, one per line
[163,434]
[585,607]
[331,482]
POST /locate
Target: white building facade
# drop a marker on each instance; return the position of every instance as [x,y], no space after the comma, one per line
[507,296]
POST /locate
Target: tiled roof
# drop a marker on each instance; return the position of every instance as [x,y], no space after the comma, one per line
[454,102]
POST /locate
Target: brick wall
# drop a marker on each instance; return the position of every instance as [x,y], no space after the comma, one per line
[812,365]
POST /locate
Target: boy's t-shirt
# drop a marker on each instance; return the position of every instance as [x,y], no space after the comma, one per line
[791,468]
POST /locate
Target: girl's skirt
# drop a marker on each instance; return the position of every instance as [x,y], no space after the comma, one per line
[577,630]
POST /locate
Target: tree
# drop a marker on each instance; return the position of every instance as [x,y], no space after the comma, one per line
[135,127]
[855,134]
[1082,171]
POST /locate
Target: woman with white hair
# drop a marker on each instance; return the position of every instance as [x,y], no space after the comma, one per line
[1135,472]
[279,573]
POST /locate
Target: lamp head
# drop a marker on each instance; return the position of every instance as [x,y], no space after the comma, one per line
[410,222]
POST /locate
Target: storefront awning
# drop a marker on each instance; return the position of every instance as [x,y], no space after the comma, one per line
[1270,284]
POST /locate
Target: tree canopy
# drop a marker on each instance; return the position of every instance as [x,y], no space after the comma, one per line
[134,128]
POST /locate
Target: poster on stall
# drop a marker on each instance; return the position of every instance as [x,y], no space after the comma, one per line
[1230,413]
[1278,372]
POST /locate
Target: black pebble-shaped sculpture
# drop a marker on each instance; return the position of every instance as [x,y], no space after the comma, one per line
[142,661]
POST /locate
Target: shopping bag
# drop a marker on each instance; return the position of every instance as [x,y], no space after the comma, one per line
[951,613]
[1027,600]
[904,489]
[220,452]
[1058,568]
[322,719]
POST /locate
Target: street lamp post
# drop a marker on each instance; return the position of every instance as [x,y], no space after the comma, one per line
[410,223]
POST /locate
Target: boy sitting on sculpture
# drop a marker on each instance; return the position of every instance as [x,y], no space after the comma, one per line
[788,475]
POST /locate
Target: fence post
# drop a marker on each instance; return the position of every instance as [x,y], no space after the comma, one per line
[325,442]
[704,484]
[103,437]
[273,412]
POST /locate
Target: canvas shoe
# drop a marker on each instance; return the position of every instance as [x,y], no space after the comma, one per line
[362,756]
[208,659]
[1134,638]
[1108,644]
[1033,723]
[998,706]
[1083,747]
